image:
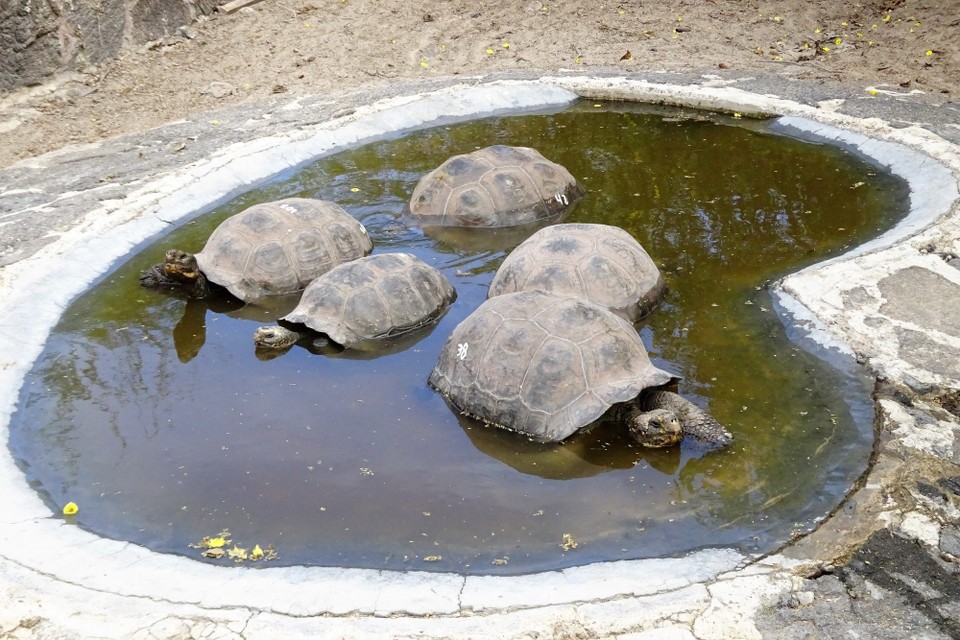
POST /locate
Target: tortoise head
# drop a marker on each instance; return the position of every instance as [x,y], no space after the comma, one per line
[181,265]
[275,337]
[655,429]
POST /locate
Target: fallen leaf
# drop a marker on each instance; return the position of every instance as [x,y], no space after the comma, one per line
[237,554]
[569,542]
[70,509]
[627,56]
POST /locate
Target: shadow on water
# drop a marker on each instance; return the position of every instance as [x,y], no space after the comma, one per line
[156,416]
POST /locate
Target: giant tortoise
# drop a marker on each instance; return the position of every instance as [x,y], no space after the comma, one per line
[497,186]
[269,249]
[597,262]
[368,299]
[547,366]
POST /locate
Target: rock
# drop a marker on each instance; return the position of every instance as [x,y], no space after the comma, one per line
[187,32]
[950,540]
[30,44]
[219,89]
[39,39]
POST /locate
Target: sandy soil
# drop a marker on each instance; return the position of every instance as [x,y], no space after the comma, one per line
[316,46]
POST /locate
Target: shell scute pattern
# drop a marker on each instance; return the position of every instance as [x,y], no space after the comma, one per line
[373,297]
[276,248]
[498,186]
[541,364]
[600,263]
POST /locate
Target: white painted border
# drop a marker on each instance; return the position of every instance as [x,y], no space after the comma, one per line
[36,291]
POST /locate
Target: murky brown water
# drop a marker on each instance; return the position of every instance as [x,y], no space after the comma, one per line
[155,416]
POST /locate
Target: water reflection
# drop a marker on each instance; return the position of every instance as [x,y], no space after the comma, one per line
[585,454]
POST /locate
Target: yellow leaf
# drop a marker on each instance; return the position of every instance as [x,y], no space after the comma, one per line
[826,48]
[928,53]
[505,45]
[424,64]
[256,553]
[237,554]
[490,51]
[70,509]
[569,542]
[216,543]
[817,30]
[837,41]
[354,189]
[873,92]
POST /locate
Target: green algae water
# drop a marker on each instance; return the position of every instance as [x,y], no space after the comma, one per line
[157,418]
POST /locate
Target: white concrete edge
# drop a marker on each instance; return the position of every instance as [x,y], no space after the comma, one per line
[28,528]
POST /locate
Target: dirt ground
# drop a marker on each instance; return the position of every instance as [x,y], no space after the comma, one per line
[326,46]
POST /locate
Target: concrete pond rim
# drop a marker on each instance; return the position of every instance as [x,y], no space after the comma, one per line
[929,164]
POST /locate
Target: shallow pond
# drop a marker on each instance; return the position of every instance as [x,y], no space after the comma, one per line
[157,418]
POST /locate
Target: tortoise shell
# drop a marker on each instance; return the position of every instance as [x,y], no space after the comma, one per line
[276,248]
[375,297]
[597,262]
[498,186]
[542,365]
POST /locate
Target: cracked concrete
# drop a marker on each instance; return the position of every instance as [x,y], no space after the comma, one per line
[884,565]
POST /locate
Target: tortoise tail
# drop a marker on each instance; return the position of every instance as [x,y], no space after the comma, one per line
[695,421]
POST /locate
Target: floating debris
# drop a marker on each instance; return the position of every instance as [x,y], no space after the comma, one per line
[569,542]
[213,547]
